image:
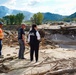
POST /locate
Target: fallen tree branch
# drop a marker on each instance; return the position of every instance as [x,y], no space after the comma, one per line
[8,58]
[4,68]
[62,71]
[59,60]
[42,73]
[33,66]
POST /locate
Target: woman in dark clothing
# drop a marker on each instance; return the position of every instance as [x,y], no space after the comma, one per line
[33,39]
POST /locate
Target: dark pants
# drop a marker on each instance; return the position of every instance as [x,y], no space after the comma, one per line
[22,49]
[34,48]
[0,47]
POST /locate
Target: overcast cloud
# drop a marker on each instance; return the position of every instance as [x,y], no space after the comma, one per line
[63,7]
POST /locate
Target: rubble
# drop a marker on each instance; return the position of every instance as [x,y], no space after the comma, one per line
[10,38]
[54,58]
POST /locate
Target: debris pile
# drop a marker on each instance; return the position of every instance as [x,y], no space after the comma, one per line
[53,60]
[10,38]
[48,66]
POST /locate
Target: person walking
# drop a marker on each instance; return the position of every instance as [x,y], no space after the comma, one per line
[34,39]
[1,38]
[22,41]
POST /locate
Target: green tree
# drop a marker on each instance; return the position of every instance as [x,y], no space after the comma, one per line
[67,19]
[2,20]
[12,19]
[37,18]
[7,20]
[19,18]
[74,19]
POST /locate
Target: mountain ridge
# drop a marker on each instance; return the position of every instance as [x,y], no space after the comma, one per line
[6,11]
[47,15]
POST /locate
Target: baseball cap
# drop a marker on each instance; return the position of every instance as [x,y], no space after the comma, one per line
[1,23]
[23,25]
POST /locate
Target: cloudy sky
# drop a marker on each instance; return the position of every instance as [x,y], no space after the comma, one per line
[63,7]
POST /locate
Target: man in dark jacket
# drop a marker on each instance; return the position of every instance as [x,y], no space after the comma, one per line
[22,41]
[33,39]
